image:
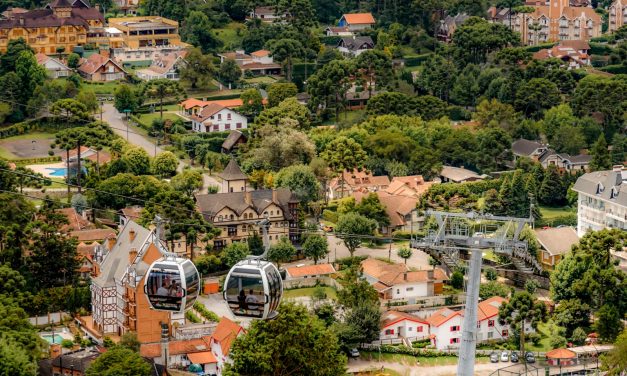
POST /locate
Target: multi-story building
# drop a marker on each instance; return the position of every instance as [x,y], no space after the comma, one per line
[143,37]
[236,214]
[58,28]
[602,201]
[554,244]
[233,179]
[119,304]
[218,118]
[554,21]
[617,15]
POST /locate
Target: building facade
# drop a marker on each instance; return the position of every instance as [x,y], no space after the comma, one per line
[602,201]
[58,28]
[401,325]
[217,118]
[555,21]
[357,21]
[617,15]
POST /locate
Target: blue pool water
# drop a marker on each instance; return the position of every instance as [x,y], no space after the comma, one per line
[57,338]
[57,171]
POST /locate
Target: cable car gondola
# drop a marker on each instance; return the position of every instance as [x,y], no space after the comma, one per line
[253,287]
[172,284]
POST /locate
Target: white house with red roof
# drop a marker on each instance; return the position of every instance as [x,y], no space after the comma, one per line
[402,325]
[54,67]
[222,341]
[215,117]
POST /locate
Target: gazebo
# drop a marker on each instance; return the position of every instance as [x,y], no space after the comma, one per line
[561,357]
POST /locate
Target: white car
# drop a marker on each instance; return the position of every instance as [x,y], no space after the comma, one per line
[505,356]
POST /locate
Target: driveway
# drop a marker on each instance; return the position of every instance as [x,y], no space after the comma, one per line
[117,122]
[481,369]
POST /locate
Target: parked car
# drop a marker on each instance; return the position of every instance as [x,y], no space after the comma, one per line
[494,357]
[505,356]
[530,358]
[354,353]
[514,357]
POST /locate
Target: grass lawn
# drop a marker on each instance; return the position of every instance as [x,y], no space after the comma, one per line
[544,329]
[348,117]
[308,291]
[104,88]
[550,212]
[146,119]
[229,36]
[386,372]
[22,144]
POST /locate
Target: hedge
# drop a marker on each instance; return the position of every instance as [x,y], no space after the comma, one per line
[562,220]
[539,47]
[600,49]
[615,69]
[28,126]
[27,161]
[331,40]
[414,352]
[200,308]
[415,60]
[189,315]
[330,216]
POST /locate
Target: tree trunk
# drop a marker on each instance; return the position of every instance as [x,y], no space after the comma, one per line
[78,173]
[98,162]
[67,171]
[522,343]
[161,108]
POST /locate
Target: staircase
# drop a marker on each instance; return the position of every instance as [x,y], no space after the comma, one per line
[525,262]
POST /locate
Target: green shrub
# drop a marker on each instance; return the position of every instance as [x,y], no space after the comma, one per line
[600,49]
[189,315]
[415,60]
[28,161]
[207,314]
[414,352]
[330,216]
[347,262]
[615,69]
[67,344]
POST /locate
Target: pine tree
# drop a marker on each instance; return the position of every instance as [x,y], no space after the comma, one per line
[492,204]
[552,191]
[538,174]
[619,147]
[531,185]
[520,201]
[601,159]
[505,195]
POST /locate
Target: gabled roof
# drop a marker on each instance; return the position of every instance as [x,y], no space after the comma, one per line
[75,221]
[233,137]
[90,235]
[233,172]
[208,111]
[489,307]
[226,333]
[396,206]
[132,212]
[442,315]
[205,357]
[359,18]
[576,44]
[392,317]
[525,148]
[356,43]
[320,269]
[393,274]
[458,174]
[557,241]
[95,62]
[210,204]
[260,53]
[606,185]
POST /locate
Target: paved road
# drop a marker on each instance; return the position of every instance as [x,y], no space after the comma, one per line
[116,120]
[481,369]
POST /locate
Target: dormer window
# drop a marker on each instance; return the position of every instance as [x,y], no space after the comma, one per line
[614,193]
[600,188]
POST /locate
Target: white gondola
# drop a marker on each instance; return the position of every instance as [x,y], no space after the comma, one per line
[253,287]
[172,284]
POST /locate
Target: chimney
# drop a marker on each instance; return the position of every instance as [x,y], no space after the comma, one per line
[111,242]
[248,197]
[617,168]
[131,235]
[21,21]
[132,254]
[404,276]
[274,195]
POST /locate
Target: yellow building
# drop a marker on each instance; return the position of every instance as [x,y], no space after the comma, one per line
[59,27]
[144,37]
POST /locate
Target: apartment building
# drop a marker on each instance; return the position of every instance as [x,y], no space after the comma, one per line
[144,37]
[617,15]
[58,28]
[556,20]
[602,201]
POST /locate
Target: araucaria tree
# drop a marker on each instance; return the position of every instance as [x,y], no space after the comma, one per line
[343,154]
[522,309]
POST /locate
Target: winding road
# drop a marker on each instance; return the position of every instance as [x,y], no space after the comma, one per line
[116,120]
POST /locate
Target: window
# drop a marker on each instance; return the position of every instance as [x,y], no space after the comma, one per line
[228,116]
[231,217]
[505,333]
[398,291]
[409,289]
[227,126]
[455,328]
[238,125]
[216,127]
[410,329]
[478,324]
[490,334]
[490,323]
[219,116]
[219,218]
[454,340]
[389,331]
[420,329]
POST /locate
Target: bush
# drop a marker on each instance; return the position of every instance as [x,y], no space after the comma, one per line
[189,315]
[457,113]
[402,234]
[600,49]
[330,216]
[347,262]
[615,69]
[566,220]
[457,279]
[415,60]
[208,264]
[414,352]
[420,344]
[67,344]
[209,315]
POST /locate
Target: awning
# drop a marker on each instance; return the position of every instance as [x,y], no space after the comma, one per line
[205,357]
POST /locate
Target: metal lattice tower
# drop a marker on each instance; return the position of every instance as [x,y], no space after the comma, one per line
[474,233]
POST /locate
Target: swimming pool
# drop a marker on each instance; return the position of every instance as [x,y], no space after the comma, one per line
[48,337]
[57,171]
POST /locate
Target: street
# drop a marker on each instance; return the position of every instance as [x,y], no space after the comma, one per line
[116,120]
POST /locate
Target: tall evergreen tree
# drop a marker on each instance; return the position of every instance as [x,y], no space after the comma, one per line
[520,200]
[505,194]
[601,159]
[552,191]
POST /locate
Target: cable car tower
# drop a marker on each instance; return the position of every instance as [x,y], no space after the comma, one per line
[474,233]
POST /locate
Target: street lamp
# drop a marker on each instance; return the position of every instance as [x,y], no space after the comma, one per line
[126,111]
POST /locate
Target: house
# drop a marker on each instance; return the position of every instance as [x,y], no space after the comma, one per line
[74,363]
[567,51]
[59,27]
[602,201]
[554,244]
[357,100]
[236,214]
[564,161]
[396,281]
[448,26]
[527,148]
[233,141]
[258,62]
[341,31]
[127,7]
[555,20]
[411,186]
[267,14]
[402,211]
[402,325]
[102,68]
[445,327]
[54,67]
[119,304]
[87,154]
[222,340]
[309,271]
[239,56]
[354,46]
[129,213]
[75,221]
[233,179]
[217,118]
[352,181]
[144,38]
[193,106]
[357,21]
[166,65]
[617,15]
[459,175]
[93,234]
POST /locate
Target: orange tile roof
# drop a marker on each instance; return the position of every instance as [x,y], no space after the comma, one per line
[75,221]
[192,102]
[560,354]
[225,334]
[320,269]
[188,346]
[392,317]
[489,307]
[392,274]
[260,53]
[86,249]
[150,350]
[92,234]
[206,357]
[441,316]
[359,18]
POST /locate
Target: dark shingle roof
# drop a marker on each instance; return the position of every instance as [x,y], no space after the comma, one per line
[605,185]
[233,172]
[525,147]
[356,43]
[47,18]
[232,139]
[211,204]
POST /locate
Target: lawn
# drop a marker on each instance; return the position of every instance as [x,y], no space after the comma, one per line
[544,329]
[347,117]
[147,119]
[308,291]
[260,80]
[22,146]
[229,35]
[102,88]
[551,212]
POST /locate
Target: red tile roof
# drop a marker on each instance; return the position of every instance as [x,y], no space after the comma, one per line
[225,334]
[95,61]
[560,354]
[320,269]
[392,317]
[188,346]
[150,350]
[91,235]
[206,357]
[393,274]
[75,221]
[442,315]
[260,53]
[489,307]
[359,18]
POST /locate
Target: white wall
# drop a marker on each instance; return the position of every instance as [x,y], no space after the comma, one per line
[221,120]
[410,290]
[444,334]
[405,328]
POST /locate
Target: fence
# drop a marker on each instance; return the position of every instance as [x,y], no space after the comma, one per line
[53,318]
[311,282]
[542,368]
[425,302]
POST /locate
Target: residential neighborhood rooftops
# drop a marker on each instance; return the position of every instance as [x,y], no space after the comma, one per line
[205,357]
[557,241]
[459,174]
[489,307]
[95,61]
[356,43]
[91,235]
[76,222]
[441,316]
[391,317]
[526,148]
[393,274]
[359,18]
[396,206]
[211,204]
[310,270]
